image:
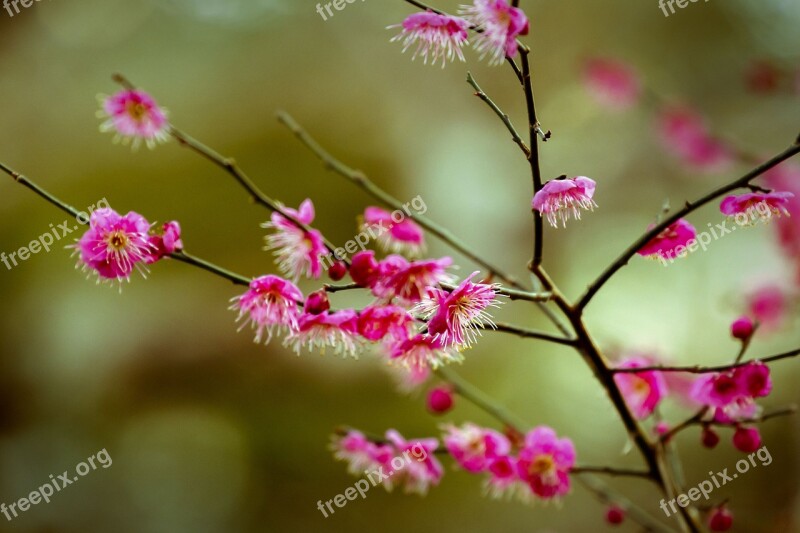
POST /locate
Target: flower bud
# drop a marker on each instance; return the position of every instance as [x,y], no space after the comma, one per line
[709,438]
[742,328]
[615,515]
[440,400]
[337,271]
[364,268]
[720,519]
[747,440]
[317,303]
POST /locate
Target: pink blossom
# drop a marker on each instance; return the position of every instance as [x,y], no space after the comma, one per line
[438,37]
[474,447]
[408,378]
[420,352]
[377,321]
[720,519]
[364,269]
[769,305]
[421,469]
[684,133]
[503,480]
[327,330]
[114,245]
[134,115]
[165,243]
[732,393]
[458,317]
[671,242]
[545,461]
[501,24]
[611,82]
[360,453]
[786,177]
[756,206]
[560,198]
[298,252]
[398,237]
[270,304]
[410,281]
[643,391]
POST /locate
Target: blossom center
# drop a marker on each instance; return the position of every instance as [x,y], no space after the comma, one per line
[118,240]
[136,110]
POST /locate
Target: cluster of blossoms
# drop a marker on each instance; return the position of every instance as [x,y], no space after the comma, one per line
[406,293]
[730,397]
[440,37]
[115,245]
[536,467]
[365,457]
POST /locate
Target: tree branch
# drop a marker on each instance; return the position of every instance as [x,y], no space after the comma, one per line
[626,256]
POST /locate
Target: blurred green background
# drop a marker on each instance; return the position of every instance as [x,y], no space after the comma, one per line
[209,432]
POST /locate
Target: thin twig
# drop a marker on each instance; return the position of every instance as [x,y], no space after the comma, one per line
[610,471]
[626,256]
[361,180]
[500,113]
[698,369]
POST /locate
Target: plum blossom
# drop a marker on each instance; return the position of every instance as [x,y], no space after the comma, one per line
[298,252]
[360,453]
[684,133]
[666,244]
[562,197]
[377,321]
[166,242]
[756,206]
[786,177]
[501,24]
[545,461]
[422,352]
[731,394]
[410,281]
[403,237]
[114,245]
[643,391]
[474,448]
[270,304]
[337,331]
[421,469]
[458,317]
[611,82]
[134,116]
[438,37]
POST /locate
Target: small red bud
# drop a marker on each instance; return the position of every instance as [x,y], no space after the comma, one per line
[337,271]
[721,519]
[440,400]
[317,303]
[742,328]
[747,440]
[615,515]
[710,438]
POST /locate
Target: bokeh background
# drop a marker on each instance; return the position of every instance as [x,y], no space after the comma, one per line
[209,432]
